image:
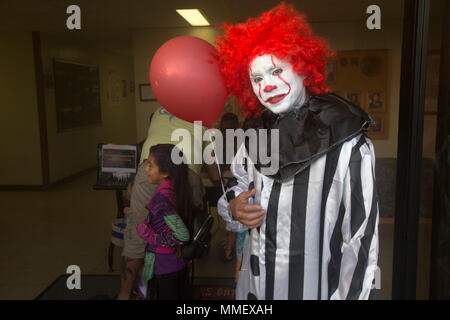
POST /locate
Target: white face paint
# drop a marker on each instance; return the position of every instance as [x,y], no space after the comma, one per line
[275,83]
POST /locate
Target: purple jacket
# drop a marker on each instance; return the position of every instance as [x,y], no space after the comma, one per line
[157,233]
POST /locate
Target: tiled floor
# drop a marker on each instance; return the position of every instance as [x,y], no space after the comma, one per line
[42,233]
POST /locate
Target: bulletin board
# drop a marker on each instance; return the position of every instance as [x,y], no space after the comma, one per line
[361,76]
[77,95]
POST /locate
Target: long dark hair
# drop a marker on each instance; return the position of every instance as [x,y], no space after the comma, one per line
[178,175]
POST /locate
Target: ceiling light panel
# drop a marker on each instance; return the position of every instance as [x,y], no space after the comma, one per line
[193,16]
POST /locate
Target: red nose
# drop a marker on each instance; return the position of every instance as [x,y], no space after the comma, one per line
[269,88]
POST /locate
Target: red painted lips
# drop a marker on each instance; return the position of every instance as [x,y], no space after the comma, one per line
[277,98]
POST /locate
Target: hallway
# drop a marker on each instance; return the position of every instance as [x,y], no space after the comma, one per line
[44,232]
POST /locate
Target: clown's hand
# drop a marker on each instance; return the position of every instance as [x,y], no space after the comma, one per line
[250,215]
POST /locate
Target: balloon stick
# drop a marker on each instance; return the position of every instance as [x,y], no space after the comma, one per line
[217,162]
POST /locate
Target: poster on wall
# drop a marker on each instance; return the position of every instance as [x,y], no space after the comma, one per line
[361,76]
[356,97]
[376,101]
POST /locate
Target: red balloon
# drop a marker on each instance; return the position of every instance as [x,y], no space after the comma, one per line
[186,79]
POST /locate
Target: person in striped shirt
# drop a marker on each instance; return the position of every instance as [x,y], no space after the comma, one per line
[313,223]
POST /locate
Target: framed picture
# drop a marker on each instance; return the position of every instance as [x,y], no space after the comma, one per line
[356,98]
[146,92]
[376,101]
[379,129]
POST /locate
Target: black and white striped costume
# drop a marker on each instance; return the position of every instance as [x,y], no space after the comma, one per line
[319,239]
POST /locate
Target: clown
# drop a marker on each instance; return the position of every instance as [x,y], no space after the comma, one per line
[313,224]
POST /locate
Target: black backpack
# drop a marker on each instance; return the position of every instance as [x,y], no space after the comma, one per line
[196,247]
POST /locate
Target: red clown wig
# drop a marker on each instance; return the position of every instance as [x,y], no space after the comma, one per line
[282,32]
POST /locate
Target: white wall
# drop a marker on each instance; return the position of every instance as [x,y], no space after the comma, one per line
[20,160]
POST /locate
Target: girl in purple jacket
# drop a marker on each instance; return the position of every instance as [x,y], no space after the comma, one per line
[166,227]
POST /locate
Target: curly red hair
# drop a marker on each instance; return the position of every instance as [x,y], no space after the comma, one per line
[281,31]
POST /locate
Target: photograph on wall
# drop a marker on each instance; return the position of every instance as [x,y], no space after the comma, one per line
[361,77]
[376,101]
[146,92]
[355,97]
[379,128]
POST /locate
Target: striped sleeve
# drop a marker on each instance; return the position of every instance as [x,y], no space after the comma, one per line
[239,170]
[359,230]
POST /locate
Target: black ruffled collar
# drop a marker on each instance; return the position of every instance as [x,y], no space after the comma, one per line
[321,124]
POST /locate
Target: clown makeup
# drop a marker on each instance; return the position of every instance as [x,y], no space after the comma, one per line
[278,87]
